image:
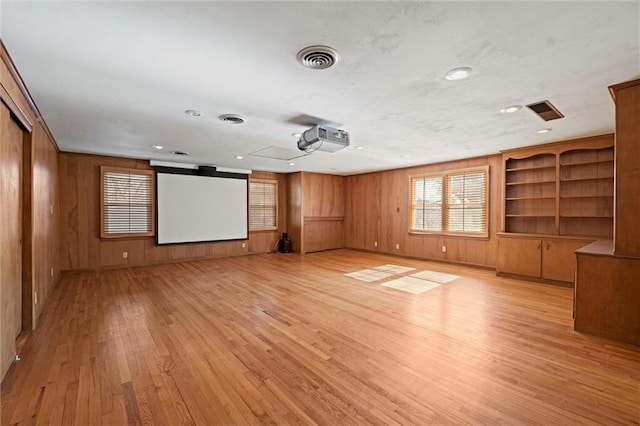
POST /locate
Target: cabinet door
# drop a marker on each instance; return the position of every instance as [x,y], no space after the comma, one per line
[520,256]
[559,259]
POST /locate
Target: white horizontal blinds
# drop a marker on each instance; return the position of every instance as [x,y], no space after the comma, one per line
[263,209]
[426,203]
[126,203]
[467,202]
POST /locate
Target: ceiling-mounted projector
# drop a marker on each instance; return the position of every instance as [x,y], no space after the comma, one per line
[323,138]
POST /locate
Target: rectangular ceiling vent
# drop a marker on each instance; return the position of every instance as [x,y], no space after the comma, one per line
[545,110]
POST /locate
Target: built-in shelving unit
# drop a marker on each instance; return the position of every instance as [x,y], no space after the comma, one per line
[530,194]
[557,198]
[586,192]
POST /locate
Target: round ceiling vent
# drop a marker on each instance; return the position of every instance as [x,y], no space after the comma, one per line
[231,118]
[318,57]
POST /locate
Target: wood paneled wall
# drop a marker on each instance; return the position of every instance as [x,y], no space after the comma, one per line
[82,248]
[39,270]
[44,201]
[627,179]
[377,215]
[316,212]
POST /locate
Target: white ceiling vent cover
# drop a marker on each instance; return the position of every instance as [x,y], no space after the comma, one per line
[318,57]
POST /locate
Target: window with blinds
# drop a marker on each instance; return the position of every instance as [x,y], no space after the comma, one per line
[127,202]
[451,203]
[263,204]
[466,199]
[426,204]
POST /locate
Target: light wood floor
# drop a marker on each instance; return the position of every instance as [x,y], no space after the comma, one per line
[288,339]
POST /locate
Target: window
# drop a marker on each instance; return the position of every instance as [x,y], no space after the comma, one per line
[263,205]
[451,203]
[127,206]
[426,204]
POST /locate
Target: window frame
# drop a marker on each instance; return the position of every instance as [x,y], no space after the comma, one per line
[276,205]
[152,207]
[445,203]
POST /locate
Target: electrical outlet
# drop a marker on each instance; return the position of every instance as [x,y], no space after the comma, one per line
[375,244]
[397,246]
[51,271]
[244,245]
[125,254]
[35,298]
[444,249]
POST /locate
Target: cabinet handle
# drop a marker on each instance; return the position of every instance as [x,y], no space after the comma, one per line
[538,245]
[547,245]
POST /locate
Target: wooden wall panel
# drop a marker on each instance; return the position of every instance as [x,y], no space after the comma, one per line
[11,165]
[377,210]
[607,295]
[40,191]
[80,246]
[627,169]
[45,214]
[323,195]
[294,211]
[323,235]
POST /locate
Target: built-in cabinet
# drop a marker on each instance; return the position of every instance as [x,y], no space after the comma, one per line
[547,258]
[606,288]
[557,198]
[316,210]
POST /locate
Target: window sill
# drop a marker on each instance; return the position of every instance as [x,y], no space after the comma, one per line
[258,230]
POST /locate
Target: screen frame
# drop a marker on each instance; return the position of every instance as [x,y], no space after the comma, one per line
[205,172]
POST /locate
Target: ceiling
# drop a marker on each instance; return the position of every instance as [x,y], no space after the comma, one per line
[116,77]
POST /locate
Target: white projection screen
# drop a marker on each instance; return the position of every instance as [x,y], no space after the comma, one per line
[193,208]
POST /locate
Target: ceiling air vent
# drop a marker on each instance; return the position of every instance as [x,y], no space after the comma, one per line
[545,110]
[318,57]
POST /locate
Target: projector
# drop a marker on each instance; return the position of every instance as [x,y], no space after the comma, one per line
[323,138]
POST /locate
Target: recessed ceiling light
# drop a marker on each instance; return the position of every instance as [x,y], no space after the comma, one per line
[543,131]
[180,152]
[239,157]
[359,147]
[511,109]
[292,164]
[458,73]
[193,113]
[231,118]
[158,147]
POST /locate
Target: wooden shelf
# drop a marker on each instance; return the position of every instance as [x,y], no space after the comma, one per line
[573,197]
[530,215]
[586,163]
[529,198]
[584,179]
[531,183]
[519,169]
[581,170]
[587,216]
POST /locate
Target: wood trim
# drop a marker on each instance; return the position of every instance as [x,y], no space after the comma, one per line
[15,109]
[591,142]
[322,218]
[613,89]
[6,58]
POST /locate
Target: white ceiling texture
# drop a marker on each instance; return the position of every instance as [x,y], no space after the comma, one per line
[116,78]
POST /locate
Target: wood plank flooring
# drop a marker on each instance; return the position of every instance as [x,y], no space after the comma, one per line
[287,339]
